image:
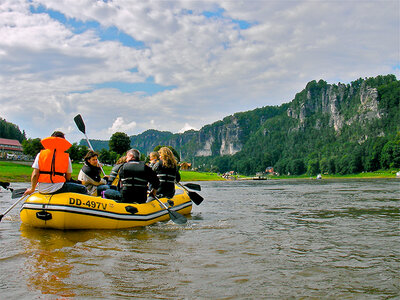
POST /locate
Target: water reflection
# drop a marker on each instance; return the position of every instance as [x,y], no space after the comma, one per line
[282,239]
[75,263]
[47,266]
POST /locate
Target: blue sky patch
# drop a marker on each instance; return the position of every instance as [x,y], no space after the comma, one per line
[219,15]
[242,24]
[149,87]
[214,14]
[76,26]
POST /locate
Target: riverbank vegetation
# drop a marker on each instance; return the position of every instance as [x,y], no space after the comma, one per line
[13,171]
[341,129]
[16,171]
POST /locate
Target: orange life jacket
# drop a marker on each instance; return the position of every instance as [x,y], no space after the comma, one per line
[53,161]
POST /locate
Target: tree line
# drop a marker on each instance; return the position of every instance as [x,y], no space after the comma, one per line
[272,138]
[11,131]
[119,144]
[362,144]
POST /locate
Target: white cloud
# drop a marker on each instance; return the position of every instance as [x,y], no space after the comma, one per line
[119,125]
[49,71]
[186,128]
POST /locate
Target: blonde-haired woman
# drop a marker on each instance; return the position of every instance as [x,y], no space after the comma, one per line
[167,172]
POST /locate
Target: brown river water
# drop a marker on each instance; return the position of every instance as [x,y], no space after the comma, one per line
[274,239]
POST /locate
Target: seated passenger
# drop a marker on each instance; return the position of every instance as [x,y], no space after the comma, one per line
[90,175]
[154,158]
[167,172]
[113,179]
[52,168]
[135,175]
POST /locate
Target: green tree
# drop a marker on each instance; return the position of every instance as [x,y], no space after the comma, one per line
[297,167]
[390,156]
[108,157]
[11,131]
[350,163]
[372,154]
[313,167]
[77,152]
[119,142]
[32,147]
[324,165]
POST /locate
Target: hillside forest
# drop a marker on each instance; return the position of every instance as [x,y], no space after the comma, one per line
[327,128]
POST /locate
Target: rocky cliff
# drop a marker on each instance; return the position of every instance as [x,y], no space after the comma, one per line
[322,117]
[343,104]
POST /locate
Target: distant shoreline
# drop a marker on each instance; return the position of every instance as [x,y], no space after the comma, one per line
[18,171]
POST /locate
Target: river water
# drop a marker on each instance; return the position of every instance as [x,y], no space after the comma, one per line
[296,239]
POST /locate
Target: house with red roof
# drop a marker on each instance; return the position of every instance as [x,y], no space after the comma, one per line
[7,145]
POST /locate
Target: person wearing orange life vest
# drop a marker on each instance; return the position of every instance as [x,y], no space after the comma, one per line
[52,168]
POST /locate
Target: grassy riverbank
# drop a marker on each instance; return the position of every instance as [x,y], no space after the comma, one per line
[13,171]
[365,175]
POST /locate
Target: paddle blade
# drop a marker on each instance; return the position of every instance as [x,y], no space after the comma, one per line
[193,186]
[79,123]
[196,198]
[17,193]
[177,217]
[4,185]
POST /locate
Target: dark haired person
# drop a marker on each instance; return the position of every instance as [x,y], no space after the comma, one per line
[90,175]
[135,175]
[52,168]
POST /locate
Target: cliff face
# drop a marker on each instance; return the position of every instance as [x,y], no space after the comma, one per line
[222,139]
[331,110]
[343,104]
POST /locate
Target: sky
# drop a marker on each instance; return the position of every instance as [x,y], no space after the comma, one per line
[129,66]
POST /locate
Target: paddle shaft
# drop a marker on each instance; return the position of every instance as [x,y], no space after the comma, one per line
[82,128]
[174,215]
[90,146]
[16,193]
[12,206]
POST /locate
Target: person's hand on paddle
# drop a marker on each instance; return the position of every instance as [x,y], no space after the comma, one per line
[34,181]
[153,193]
[29,191]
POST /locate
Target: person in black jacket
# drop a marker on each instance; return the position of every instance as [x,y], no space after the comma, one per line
[90,175]
[167,172]
[135,175]
[113,179]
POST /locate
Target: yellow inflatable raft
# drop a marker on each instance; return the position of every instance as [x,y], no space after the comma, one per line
[77,211]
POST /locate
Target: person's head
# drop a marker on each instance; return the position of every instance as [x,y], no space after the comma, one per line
[121,160]
[167,157]
[154,156]
[133,154]
[92,158]
[58,134]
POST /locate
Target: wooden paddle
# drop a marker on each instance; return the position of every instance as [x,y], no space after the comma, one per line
[12,206]
[174,215]
[82,128]
[16,193]
[4,185]
[196,198]
[193,186]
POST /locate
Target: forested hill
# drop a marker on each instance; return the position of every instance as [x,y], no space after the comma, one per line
[328,128]
[10,131]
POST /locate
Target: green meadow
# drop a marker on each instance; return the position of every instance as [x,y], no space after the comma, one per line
[11,171]
[21,172]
